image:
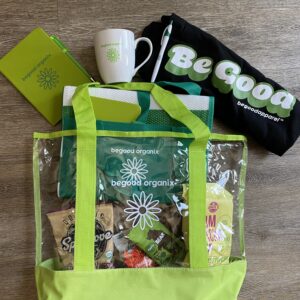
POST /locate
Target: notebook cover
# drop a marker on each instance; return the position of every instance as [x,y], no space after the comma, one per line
[40,68]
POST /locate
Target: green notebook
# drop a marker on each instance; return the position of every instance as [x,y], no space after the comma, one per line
[39,67]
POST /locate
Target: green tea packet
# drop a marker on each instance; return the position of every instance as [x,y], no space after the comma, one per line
[159,244]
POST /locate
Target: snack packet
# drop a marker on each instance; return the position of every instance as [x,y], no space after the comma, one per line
[63,226]
[104,246]
[159,244]
[219,210]
[131,256]
[135,258]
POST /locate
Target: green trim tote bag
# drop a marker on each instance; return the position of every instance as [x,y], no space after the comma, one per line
[157,213]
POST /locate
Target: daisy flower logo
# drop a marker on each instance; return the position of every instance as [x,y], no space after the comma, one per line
[134,170]
[142,210]
[48,78]
[113,54]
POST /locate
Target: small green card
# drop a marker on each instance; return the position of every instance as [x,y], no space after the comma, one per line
[115,111]
[39,67]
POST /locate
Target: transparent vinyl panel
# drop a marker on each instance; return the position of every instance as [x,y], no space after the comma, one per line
[142,201]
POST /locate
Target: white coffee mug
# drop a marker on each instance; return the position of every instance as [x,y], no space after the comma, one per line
[115,54]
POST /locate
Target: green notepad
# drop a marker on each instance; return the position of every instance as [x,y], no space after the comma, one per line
[39,67]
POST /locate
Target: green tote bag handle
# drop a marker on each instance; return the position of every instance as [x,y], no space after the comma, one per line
[86,173]
[189,88]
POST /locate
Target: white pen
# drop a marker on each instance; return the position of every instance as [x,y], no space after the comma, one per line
[164,42]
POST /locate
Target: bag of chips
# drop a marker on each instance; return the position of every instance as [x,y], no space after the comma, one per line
[63,226]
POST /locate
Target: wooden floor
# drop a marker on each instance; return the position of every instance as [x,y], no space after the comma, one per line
[266,33]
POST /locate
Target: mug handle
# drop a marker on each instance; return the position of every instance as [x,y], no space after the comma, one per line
[149,55]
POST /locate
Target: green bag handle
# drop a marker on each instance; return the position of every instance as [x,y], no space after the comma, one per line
[86,173]
[190,88]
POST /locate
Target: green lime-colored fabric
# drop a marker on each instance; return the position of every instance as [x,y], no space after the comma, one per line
[73,132]
[85,180]
[213,283]
[197,204]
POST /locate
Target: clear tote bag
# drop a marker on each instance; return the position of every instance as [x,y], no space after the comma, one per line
[157,212]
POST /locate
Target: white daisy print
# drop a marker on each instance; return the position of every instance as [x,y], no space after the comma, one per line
[134,170]
[142,210]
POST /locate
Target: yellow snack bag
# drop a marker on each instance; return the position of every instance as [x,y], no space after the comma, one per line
[219,211]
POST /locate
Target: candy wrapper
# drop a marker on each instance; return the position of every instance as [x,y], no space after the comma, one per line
[159,244]
[131,256]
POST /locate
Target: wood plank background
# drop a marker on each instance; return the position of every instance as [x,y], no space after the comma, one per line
[266,33]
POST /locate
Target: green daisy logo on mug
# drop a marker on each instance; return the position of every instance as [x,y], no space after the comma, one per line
[112,54]
[48,78]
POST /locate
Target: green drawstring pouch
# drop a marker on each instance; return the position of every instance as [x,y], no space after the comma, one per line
[157,211]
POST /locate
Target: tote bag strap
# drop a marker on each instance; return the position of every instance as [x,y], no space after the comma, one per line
[189,88]
[86,173]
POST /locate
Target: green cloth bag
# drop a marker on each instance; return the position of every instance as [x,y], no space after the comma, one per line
[148,120]
[199,281]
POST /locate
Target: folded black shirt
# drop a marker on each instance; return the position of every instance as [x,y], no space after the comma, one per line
[245,99]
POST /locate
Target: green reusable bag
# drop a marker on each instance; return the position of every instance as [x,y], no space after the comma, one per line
[154,117]
[180,267]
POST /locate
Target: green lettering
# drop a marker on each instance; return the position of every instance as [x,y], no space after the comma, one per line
[180,60]
[243,86]
[224,75]
[260,95]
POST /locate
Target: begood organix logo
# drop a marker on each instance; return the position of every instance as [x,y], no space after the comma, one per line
[134,170]
[48,78]
[113,54]
[142,210]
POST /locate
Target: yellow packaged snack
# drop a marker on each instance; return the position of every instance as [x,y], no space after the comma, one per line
[219,210]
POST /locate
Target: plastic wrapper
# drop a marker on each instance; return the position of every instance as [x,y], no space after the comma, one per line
[141,201]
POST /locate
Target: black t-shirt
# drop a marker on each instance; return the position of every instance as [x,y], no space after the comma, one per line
[245,99]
